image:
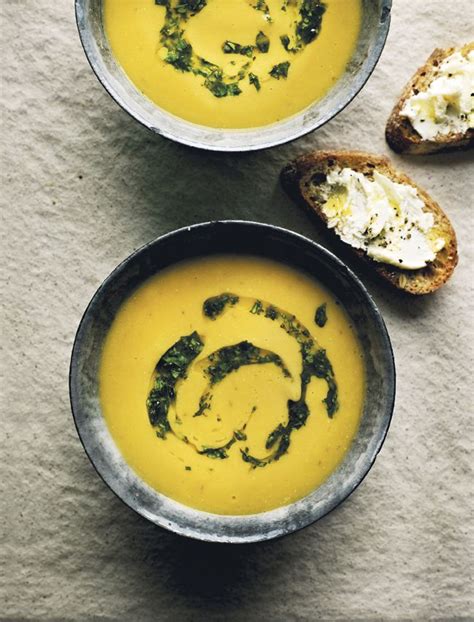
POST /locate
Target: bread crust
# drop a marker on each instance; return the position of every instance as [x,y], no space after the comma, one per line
[399,131]
[301,179]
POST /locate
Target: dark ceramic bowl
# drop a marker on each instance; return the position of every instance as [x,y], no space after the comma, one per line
[373,33]
[245,238]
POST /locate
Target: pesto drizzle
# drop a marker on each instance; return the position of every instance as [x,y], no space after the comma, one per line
[174,364]
[224,361]
[315,363]
[171,367]
[181,55]
[218,366]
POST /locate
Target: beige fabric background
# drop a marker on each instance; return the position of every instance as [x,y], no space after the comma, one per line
[82,186]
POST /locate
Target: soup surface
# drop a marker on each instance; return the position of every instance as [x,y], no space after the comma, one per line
[232,384]
[233,63]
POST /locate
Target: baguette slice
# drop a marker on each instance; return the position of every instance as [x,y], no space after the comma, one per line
[399,131]
[302,180]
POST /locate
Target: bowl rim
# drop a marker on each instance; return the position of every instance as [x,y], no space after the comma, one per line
[286,529]
[357,84]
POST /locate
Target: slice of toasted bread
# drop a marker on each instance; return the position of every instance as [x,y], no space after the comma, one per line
[303,178]
[399,132]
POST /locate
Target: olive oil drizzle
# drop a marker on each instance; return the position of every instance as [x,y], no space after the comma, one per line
[174,364]
[181,55]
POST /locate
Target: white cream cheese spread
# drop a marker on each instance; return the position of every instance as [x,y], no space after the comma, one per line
[381,217]
[447,105]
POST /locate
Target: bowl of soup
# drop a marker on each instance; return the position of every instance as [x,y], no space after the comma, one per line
[232,381]
[236,75]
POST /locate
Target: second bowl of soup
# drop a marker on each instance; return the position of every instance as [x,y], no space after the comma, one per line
[233,75]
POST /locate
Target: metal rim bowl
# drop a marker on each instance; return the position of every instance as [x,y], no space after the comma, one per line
[243,238]
[374,30]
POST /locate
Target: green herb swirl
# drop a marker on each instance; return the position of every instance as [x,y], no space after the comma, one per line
[173,367]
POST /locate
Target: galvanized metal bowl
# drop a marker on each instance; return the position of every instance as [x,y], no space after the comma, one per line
[245,238]
[374,30]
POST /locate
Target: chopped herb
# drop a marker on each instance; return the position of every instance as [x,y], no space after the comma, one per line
[253,79]
[190,7]
[257,308]
[285,41]
[280,70]
[311,16]
[262,6]
[233,89]
[262,42]
[321,317]
[215,305]
[180,55]
[271,313]
[229,47]
[187,468]
[240,435]
[331,400]
[219,88]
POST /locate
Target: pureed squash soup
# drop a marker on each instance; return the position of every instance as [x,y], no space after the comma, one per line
[232,384]
[233,63]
